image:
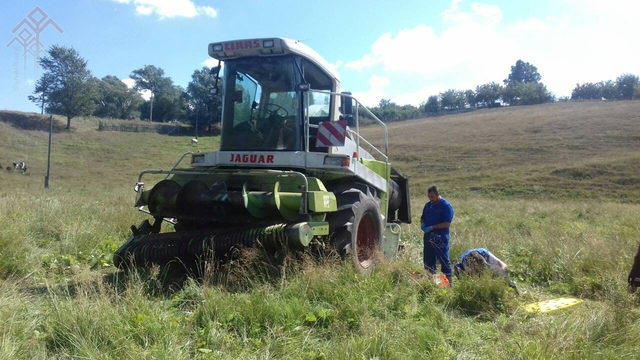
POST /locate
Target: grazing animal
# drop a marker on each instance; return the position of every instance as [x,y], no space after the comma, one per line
[20,166]
[634,275]
[194,141]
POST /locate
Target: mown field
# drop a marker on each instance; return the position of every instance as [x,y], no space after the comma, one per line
[553,190]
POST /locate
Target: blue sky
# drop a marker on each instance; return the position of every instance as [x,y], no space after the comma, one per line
[405,50]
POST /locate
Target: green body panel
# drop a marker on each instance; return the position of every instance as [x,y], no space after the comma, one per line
[319,228]
[322,201]
[383,169]
[377,167]
[264,194]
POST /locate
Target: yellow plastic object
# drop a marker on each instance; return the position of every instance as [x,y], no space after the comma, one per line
[552,305]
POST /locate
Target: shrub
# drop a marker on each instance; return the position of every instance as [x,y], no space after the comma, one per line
[484,297]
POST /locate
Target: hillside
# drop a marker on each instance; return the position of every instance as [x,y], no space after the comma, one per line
[566,150]
[552,190]
[109,159]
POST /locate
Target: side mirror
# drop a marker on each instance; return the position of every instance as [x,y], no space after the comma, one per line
[304,87]
[346,104]
[215,91]
[351,121]
[215,70]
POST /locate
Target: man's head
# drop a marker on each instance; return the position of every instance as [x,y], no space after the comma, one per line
[474,263]
[433,194]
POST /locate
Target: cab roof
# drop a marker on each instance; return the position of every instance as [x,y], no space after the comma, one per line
[234,49]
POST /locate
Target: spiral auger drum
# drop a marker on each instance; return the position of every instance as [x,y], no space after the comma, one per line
[292,168]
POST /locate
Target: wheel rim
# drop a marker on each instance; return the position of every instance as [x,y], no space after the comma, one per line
[366,240]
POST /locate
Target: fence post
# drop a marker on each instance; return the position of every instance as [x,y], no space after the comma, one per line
[46,178]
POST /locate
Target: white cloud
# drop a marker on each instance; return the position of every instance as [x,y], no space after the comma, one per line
[210,62]
[489,13]
[144,10]
[477,45]
[129,82]
[364,62]
[146,94]
[377,91]
[208,11]
[335,66]
[170,8]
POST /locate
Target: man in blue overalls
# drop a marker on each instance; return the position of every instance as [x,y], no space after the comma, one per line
[436,219]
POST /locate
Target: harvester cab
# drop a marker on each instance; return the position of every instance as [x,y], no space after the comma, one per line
[292,168]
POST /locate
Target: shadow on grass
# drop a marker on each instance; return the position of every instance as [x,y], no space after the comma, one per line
[241,271]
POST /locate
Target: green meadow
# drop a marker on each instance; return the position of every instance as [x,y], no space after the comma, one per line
[553,190]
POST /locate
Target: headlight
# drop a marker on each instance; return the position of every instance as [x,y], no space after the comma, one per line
[197,159]
[217,47]
[337,161]
[268,44]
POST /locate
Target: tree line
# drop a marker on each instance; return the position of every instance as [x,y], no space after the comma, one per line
[522,87]
[625,87]
[68,88]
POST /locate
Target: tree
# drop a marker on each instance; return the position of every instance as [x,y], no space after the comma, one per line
[170,105]
[471,97]
[432,106]
[601,90]
[586,91]
[608,90]
[203,107]
[453,99]
[387,110]
[520,93]
[489,93]
[44,87]
[627,84]
[67,83]
[384,103]
[151,78]
[523,72]
[117,100]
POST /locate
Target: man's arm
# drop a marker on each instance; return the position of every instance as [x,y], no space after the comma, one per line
[448,216]
[442,225]
[498,265]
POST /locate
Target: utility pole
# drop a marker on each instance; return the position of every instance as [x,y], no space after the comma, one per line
[197,115]
[151,112]
[46,178]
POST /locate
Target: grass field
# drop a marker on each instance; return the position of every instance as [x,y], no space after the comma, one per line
[553,190]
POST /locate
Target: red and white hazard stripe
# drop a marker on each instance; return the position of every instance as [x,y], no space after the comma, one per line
[331,133]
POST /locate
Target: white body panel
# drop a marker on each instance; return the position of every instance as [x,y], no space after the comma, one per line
[312,162]
[255,47]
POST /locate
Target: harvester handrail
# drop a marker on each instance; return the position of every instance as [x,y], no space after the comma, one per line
[304,201]
[386,130]
[368,143]
[179,161]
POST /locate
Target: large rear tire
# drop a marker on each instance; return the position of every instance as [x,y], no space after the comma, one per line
[356,227]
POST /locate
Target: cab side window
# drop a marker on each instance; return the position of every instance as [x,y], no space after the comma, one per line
[319,104]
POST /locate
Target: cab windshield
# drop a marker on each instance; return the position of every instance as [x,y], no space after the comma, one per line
[261,104]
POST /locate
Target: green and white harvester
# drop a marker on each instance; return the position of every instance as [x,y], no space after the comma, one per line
[292,169]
